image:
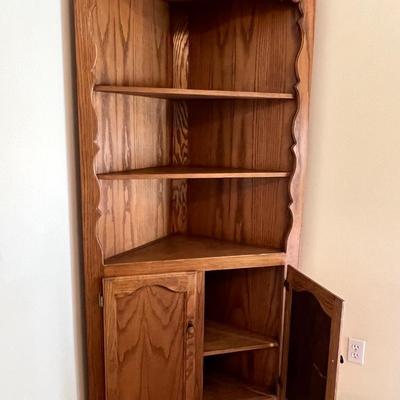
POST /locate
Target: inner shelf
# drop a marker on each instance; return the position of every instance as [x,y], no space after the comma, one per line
[181,251]
[223,339]
[181,172]
[223,387]
[174,93]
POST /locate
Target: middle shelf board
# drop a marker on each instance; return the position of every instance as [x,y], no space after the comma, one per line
[181,172]
[176,253]
[223,339]
[191,94]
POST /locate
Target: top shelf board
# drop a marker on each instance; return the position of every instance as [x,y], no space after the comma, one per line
[171,93]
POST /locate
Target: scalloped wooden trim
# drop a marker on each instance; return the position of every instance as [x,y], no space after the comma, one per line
[90,193]
[303,67]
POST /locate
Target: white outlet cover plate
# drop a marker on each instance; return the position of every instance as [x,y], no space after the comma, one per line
[356,351]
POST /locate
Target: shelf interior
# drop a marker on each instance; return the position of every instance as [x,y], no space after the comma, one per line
[184,247]
[188,94]
[183,172]
[223,387]
[223,339]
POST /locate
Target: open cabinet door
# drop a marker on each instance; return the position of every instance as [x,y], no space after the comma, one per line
[311,340]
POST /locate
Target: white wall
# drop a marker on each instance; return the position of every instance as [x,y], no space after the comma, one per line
[351,236]
[39,258]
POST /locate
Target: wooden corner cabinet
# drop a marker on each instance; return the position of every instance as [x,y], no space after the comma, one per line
[193,119]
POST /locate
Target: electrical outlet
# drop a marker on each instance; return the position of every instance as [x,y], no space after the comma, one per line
[356,352]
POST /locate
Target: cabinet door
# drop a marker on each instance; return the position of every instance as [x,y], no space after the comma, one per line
[151,337]
[311,340]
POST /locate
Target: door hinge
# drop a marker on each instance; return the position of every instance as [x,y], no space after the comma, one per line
[101,300]
[286,284]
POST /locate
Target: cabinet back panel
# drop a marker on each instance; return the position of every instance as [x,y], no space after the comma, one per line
[133,213]
[248,45]
[250,211]
[249,299]
[242,134]
[133,132]
[133,42]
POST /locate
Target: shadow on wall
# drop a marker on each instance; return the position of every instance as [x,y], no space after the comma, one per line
[71,123]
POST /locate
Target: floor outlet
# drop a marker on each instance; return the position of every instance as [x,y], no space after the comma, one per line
[356,352]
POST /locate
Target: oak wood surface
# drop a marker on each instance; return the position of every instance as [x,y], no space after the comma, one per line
[174,172]
[331,308]
[223,387]
[150,327]
[132,42]
[92,256]
[246,46]
[180,252]
[249,299]
[248,211]
[220,52]
[133,213]
[221,339]
[180,128]
[174,93]
[303,66]
[242,134]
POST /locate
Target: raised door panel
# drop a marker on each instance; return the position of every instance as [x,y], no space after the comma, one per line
[151,337]
[311,340]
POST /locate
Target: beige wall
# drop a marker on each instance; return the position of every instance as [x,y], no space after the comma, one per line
[351,237]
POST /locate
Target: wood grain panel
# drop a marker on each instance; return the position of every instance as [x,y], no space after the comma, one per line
[180,128]
[132,40]
[92,257]
[248,299]
[148,340]
[303,65]
[246,45]
[249,211]
[132,132]
[311,339]
[190,249]
[133,43]
[180,44]
[133,213]
[242,134]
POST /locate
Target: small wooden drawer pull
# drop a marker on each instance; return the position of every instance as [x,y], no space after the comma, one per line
[190,329]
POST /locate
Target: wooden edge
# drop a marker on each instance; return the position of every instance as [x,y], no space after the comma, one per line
[200,334]
[177,93]
[306,9]
[196,264]
[143,174]
[332,306]
[90,197]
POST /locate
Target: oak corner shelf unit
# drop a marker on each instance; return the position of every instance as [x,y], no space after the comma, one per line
[193,119]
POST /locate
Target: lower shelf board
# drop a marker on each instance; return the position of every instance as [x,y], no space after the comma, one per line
[176,253]
[223,339]
[223,387]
